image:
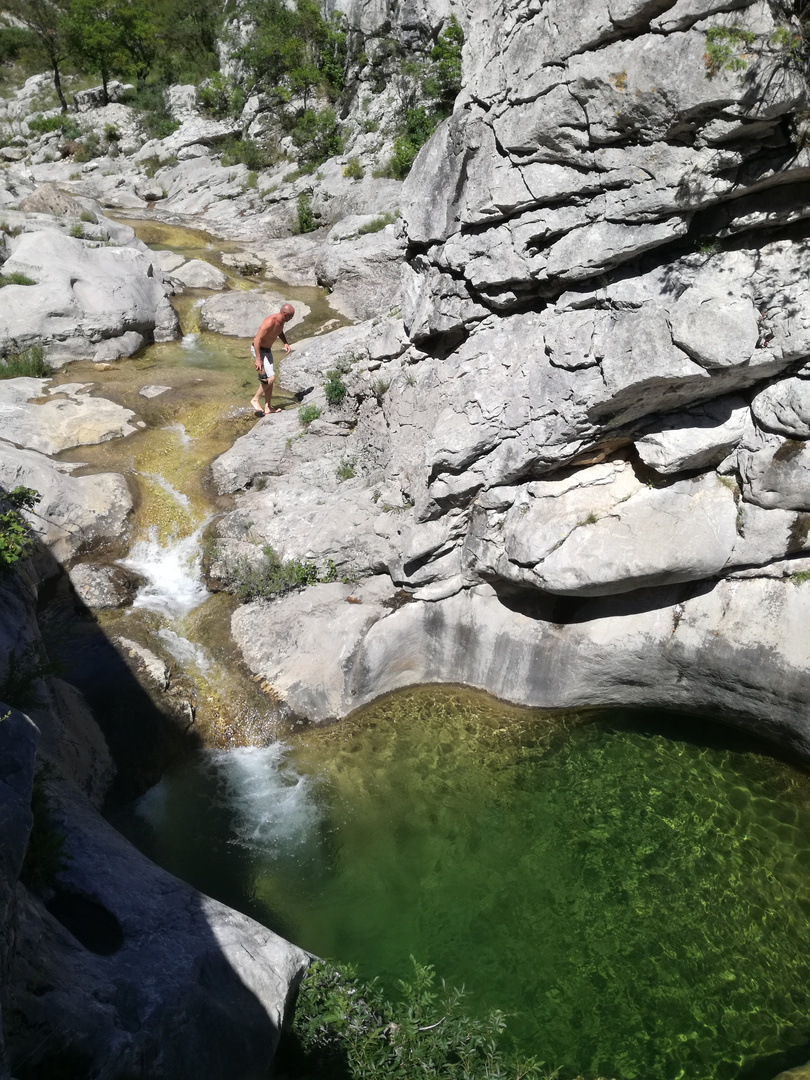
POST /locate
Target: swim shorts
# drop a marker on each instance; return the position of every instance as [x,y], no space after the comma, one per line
[267,358]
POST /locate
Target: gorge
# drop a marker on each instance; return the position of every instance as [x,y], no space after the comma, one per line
[567,466]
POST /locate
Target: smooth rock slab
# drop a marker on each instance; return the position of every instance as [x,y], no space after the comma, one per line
[293,647]
[83,295]
[676,648]
[603,532]
[240,314]
[174,978]
[77,420]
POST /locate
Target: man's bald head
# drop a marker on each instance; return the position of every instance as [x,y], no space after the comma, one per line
[287,310]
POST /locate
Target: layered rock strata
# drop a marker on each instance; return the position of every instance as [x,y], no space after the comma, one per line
[596,389]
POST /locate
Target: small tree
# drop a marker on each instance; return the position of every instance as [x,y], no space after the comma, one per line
[97,38]
[46,20]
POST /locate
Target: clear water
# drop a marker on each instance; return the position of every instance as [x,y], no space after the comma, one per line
[636,897]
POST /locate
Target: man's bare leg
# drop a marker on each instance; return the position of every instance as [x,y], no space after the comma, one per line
[268,396]
[255,403]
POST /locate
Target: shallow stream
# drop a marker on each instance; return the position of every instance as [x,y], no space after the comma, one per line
[631,890]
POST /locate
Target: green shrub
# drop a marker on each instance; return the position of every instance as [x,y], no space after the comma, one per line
[345,1027]
[16,539]
[334,388]
[353,170]
[29,363]
[15,40]
[272,577]
[256,155]
[345,470]
[306,220]
[377,224]
[443,81]
[220,98]
[308,413]
[76,231]
[150,102]
[88,148]
[111,133]
[87,216]
[419,126]
[44,124]
[317,136]
[726,47]
[15,278]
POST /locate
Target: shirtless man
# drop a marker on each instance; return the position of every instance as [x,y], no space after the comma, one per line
[271,328]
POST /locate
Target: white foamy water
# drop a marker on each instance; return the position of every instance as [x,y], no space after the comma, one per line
[272,806]
[190,341]
[173,573]
[273,802]
[184,651]
[178,496]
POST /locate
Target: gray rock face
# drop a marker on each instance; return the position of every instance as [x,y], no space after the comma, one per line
[686,650]
[363,272]
[82,296]
[600,388]
[18,741]
[169,976]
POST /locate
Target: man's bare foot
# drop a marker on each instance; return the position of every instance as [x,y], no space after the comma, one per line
[268,410]
[257,408]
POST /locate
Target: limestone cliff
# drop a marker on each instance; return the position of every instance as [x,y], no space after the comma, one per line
[597,388]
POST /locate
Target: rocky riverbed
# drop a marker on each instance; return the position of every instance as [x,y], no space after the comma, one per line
[569,460]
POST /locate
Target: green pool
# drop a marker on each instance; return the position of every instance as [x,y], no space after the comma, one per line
[632,890]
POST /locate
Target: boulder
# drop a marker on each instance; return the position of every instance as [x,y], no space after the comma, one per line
[697,439]
[48,199]
[93,97]
[239,314]
[103,587]
[784,408]
[137,966]
[82,296]
[70,418]
[75,512]
[198,274]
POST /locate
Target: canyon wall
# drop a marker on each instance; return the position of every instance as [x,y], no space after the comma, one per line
[593,412]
